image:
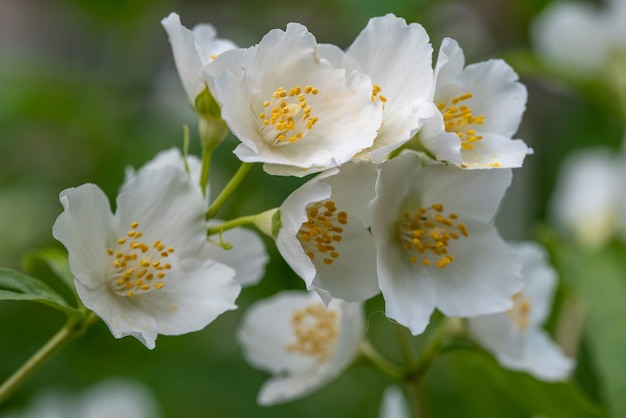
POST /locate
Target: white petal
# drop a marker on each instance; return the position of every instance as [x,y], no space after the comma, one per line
[542,358]
[497,333]
[248,256]
[351,330]
[119,313]
[497,95]
[287,388]
[445,146]
[168,206]
[351,276]
[540,280]
[354,188]
[482,278]
[169,157]
[394,404]
[495,151]
[187,61]
[450,61]
[207,44]
[409,298]
[193,296]
[470,194]
[84,228]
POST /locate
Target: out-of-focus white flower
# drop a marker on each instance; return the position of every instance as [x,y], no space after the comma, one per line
[114,397]
[394,404]
[588,201]
[479,107]
[398,58]
[291,109]
[193,49]
[579,36]
[324,235]
[515,337]
[248,255]
[145,270]
[303,343]
[436,244]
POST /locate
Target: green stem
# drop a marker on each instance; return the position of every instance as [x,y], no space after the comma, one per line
[406,346]
[72,329]
[228,190]
[413,380]
[387,367]
[207,155]
[233,223]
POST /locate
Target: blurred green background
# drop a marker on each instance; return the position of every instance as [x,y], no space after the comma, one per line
[90,87]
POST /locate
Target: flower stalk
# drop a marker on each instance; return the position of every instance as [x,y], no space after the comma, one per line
[72,329]
[228,190]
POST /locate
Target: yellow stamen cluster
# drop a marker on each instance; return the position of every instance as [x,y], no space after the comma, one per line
[322,230]
[520,312]
[287,117]
[427,233]
[137,266]
[376,94]
[316,332]
[460,120]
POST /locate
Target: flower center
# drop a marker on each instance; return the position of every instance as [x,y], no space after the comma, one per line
[520,312]
[460,120]
[316,331]
[287,116]
[322,229]
[137,266]
[427,233]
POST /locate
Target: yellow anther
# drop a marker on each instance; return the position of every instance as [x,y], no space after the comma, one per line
[134,225]
[121,241]
[428,232]
[159,285]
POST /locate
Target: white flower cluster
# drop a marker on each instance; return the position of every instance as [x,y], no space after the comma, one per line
[411,162]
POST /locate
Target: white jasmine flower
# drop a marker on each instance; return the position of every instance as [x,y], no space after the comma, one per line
[324,235]
[580,36]
[292,110]
[435,242]
[398,59]
[588,200]
[248,255]
[515,337]
[193,49]
[145,270]
[480,108]
[303,343]
[394,404]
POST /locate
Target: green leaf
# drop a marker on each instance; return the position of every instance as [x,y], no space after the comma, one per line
[556,400]
[600,280]
[55,259]
[19,286]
